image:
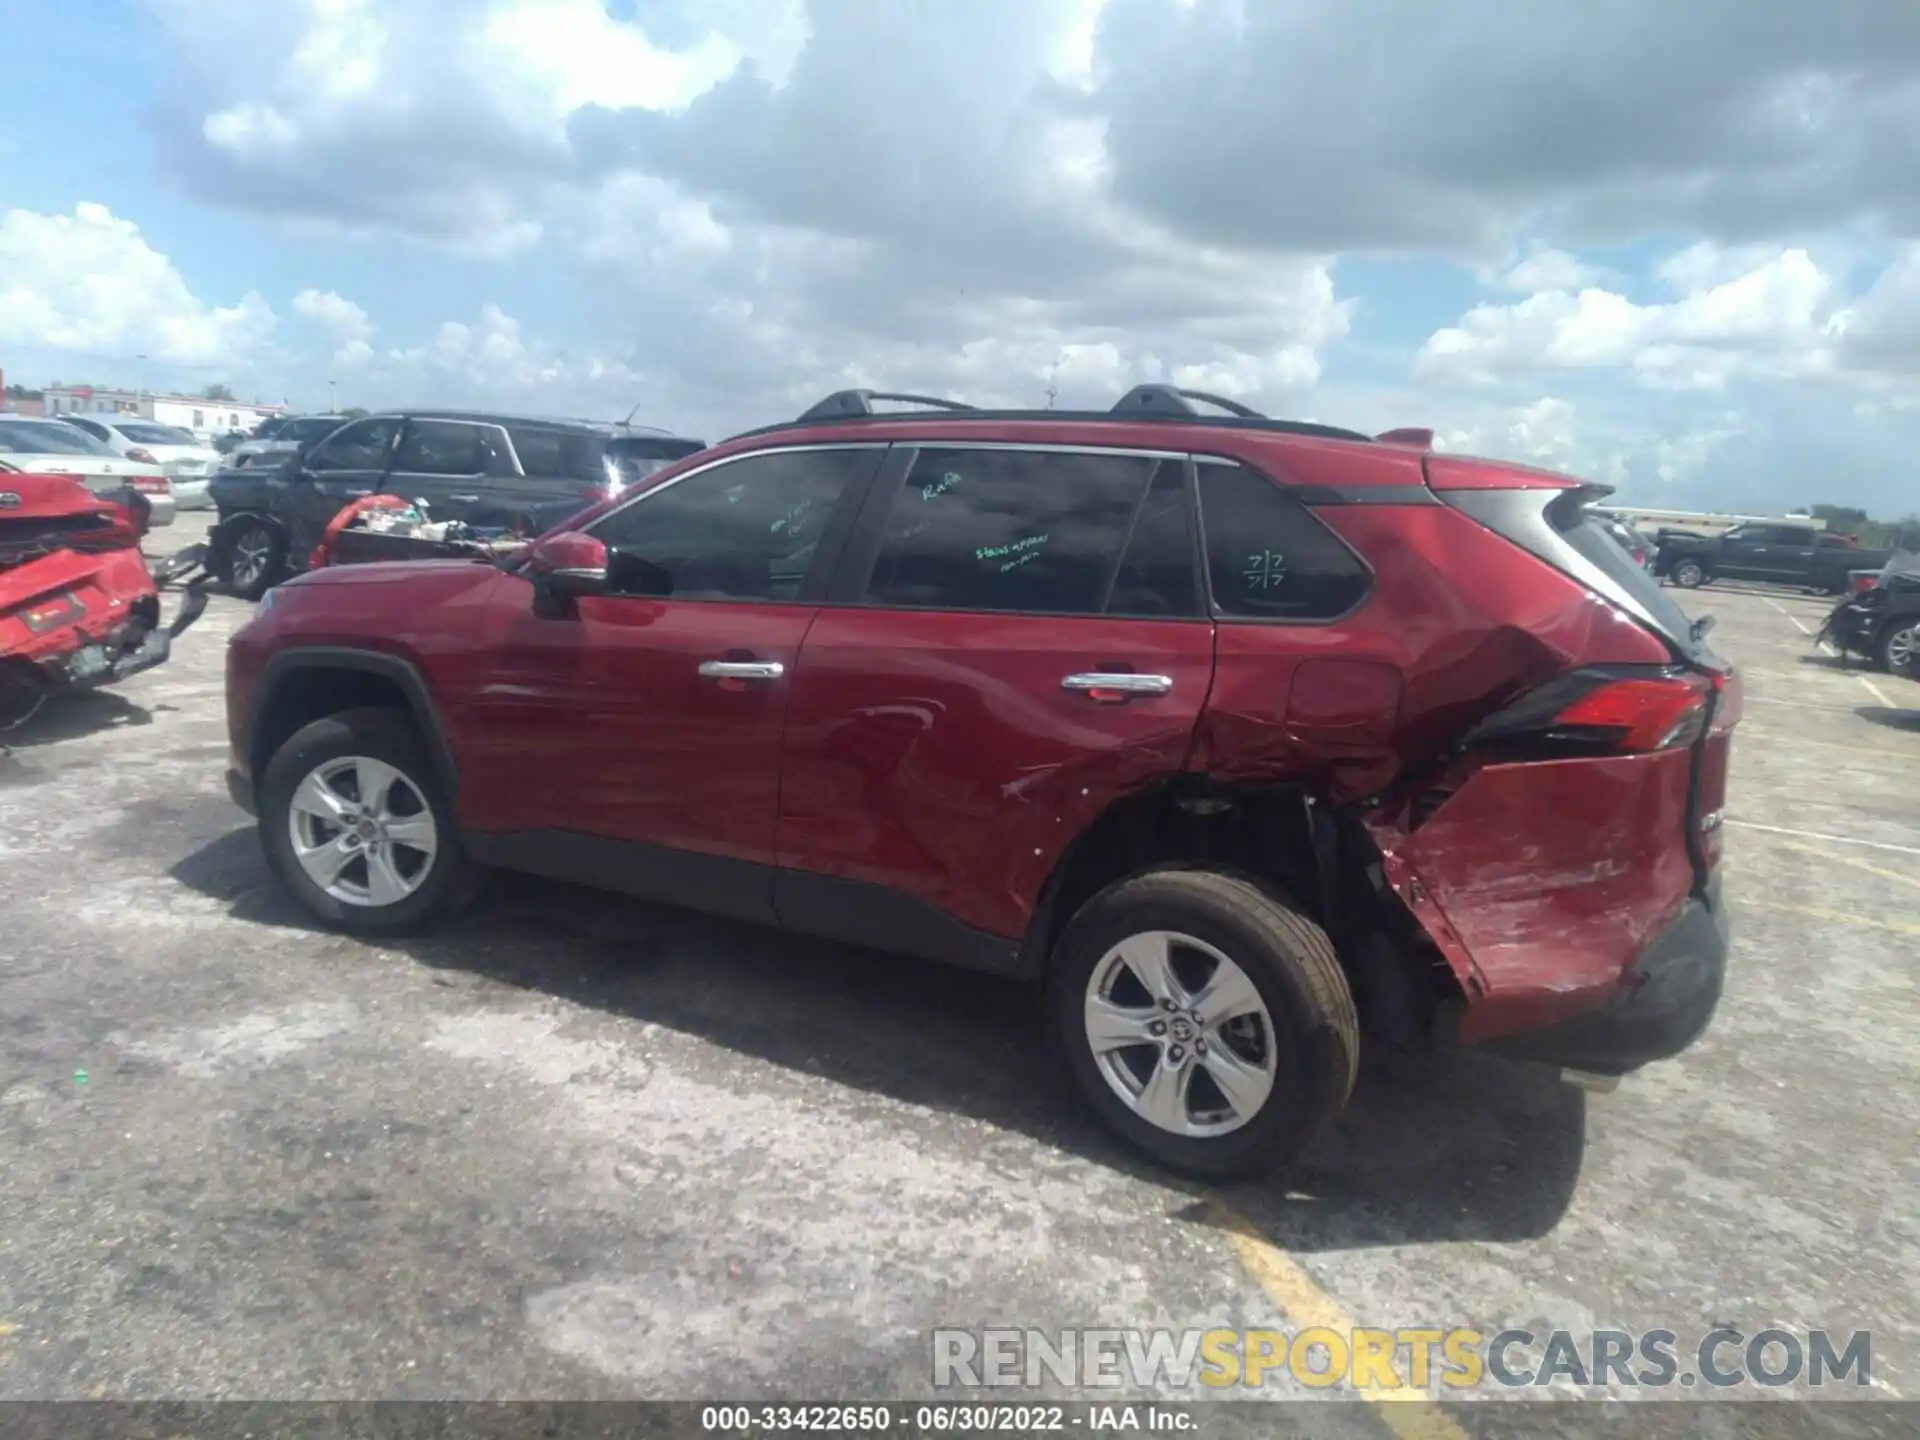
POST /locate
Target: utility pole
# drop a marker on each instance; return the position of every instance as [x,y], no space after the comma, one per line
[1053,383]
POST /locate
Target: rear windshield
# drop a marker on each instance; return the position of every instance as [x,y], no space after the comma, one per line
[553,453]
[1584,531]
[638,456]
[27,437]
[303,432]
[157,435]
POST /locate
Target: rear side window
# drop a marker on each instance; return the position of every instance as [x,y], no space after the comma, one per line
[1268,555]
[1582,530]
[549,453]
[441,447]
[1017,530]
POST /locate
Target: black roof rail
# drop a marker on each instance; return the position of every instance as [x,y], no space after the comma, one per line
[1171,400]
[844,403]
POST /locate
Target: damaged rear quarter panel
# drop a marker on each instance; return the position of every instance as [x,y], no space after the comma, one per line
[1542,881]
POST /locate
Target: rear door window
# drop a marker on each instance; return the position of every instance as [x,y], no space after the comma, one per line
[1269,557]
[1025,531]
[442,447]
[549,453]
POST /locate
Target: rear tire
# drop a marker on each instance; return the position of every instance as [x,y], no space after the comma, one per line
[390,884]
[1897,648]
[1688,574]
[255,559]
[1285,1054]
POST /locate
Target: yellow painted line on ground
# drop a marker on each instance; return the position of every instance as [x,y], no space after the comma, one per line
[1835,917]
[1409,1413]
[1884,874]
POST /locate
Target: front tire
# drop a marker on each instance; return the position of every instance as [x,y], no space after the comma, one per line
[1898,648]
[356,825]
[1689,574]
[1206,1020]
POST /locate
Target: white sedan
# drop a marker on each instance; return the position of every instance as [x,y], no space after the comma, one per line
[47,447]
[182,458]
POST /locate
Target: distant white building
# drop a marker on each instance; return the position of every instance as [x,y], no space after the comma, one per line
[207,419]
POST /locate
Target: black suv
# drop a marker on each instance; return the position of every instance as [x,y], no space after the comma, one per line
[508,473]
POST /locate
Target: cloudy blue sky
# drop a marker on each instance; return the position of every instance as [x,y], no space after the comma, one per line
[1671,246]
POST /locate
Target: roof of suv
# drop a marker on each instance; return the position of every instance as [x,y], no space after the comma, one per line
[608,428]
[1144,403]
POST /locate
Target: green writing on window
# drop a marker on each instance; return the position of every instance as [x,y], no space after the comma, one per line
[939,487]
[1266,570]
[1001,552]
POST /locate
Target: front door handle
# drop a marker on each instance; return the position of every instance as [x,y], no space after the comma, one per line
[465,499]
[742,669]
[1119,682]
[358,494]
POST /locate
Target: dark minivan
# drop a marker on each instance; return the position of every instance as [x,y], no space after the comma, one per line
[510,473]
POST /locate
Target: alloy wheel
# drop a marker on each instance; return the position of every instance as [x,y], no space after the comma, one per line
[1903,647]
[252,553]
[1180,1033]
[362,831]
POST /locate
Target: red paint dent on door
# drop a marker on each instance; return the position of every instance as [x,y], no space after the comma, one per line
[937,754]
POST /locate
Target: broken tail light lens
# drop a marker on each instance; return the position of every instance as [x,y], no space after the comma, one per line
[49,614]
[1601,711]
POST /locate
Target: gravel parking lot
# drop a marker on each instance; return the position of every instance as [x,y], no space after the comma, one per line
[580,1147]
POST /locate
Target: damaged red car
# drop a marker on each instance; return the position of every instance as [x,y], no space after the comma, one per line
[78,606]
[1252,744]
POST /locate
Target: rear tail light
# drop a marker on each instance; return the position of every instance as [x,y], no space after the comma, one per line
[151,484]
[1863,583]
[145,457]
[1603,710]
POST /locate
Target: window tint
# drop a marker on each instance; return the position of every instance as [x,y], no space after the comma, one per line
[363,445]
[157,434]
[305,432]
[47,437]
[1009,530]
[742,531]
[549,453]
[1158,576]
[635,457]
[441,447]
[1269,556]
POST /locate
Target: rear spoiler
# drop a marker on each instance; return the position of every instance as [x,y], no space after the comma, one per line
[1414,437]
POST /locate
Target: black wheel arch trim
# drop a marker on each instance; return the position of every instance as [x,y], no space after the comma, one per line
[402,672]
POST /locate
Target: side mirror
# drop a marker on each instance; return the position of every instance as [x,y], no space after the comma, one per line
[571,563]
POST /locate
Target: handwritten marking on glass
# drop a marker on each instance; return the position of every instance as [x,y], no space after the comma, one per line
[1000,552]
[1017,561]
[790,522]
[1266,570]
[939,487]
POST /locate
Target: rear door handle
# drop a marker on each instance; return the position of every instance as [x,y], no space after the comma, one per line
[742,669]
[1124,682]
[465,499]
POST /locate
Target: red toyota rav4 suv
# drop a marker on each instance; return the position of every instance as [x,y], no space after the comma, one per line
[1240,737]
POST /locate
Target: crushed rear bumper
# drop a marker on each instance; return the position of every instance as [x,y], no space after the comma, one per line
[1665,1001]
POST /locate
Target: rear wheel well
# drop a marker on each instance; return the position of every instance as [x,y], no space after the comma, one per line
[1290,841]
[313,692]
